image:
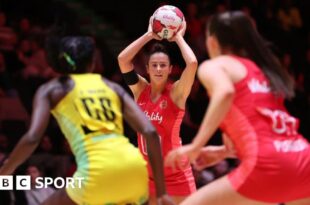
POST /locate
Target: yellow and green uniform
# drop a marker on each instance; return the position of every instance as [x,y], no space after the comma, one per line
[90,116]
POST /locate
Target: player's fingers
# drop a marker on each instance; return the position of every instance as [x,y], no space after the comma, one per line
[170,158]
[173,160]
[157,37]
[198,163]
[182,164]
[151,19]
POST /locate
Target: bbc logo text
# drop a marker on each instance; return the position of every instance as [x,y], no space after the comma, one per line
[23,182]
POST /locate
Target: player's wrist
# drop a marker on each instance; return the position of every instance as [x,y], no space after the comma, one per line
[150,35]
[179,35]
[178,38]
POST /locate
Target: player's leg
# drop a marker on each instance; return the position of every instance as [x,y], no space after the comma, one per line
[176,199]
[299,202]
[152,200]
[219,192]
[59,197]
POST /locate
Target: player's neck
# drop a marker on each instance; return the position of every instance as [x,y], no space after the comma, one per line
[157,89]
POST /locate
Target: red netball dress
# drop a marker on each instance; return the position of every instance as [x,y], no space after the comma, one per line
[275,159]
[167,118]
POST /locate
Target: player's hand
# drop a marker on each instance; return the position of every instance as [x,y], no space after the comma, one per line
[150,30]
[180,33]
[165,200]
[182,28]
[175,158]
[209,156]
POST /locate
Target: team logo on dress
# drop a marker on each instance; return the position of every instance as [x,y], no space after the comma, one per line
[257,86]
[163,104]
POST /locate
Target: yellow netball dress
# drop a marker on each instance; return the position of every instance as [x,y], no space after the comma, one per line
[114,171]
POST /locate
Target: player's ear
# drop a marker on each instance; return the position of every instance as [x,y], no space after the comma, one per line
[213,46]
[170,68]
[147,68]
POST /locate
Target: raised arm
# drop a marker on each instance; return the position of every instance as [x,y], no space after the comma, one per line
[138,121]
[183,86]
[31,139]
[135,82]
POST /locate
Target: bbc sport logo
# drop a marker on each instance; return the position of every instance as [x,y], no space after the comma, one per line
[23,182]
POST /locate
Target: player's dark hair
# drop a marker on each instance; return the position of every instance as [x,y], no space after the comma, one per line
[69,54]
[158,48]
[235,32]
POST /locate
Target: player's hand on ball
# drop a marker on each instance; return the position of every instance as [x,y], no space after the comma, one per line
[150,30]
[183,28]
[180,33]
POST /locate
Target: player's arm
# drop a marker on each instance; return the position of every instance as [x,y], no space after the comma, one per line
[219,84]
[31,139]
[221,89]
[182,87]
[135,82]
[138,121]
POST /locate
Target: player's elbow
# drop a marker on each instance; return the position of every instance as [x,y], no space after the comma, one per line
[228,93]
[32,138]
[123,62]
[121,58]
[193,63]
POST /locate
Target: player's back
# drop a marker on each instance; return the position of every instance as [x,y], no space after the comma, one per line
[89,111]
[90,116]
[257,112]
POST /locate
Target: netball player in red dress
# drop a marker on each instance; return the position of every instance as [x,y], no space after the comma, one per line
[247,87]
[163,103]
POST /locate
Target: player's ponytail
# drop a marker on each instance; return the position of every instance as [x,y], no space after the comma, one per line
[69,54]
[236,32]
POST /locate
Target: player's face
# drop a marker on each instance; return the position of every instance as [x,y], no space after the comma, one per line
[159,67]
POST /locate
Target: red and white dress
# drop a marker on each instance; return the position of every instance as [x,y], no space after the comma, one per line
[275,159]
[167,119]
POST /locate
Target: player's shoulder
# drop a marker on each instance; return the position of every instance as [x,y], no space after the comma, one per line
[225,62]
[209,65]
[55,89]
[220,60]
[114,86]
[111,84]
[49,86]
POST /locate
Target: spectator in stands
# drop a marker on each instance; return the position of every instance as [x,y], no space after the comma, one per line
[289,16]
[36,63]
[35,196]
[8,37]
[24,28]
[54,165]
[194,31]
